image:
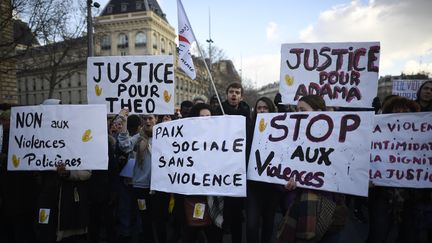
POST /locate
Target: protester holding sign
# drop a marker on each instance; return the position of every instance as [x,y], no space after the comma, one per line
[18,195]
[234,105]
[210,218]
[63,208]
[147,201]
[386,204]
[262,198]
[424,96]
[312,216]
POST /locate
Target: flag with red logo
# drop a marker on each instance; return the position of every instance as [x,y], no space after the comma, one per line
[186,38]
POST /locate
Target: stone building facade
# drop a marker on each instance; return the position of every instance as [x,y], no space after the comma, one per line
[8,87]
[125,27]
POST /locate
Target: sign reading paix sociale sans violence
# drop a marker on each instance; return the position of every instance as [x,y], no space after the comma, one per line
[344,74]
[200,156]
[143,84]
[43,137]
[319,150]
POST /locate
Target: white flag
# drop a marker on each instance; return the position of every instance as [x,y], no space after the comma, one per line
[186,38]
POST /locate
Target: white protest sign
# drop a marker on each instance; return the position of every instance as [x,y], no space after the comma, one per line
[344,74]
[407,87]
[319,150]
[401,153]
[143,84]
[200,156]
[43,136]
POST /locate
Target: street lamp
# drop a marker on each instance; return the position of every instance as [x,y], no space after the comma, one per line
[90,4]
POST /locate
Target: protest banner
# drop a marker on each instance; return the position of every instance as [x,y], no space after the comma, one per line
[401,150]
[344,74]
[319,150]
[200,156]
[42,137]
[143,84]
[406,87]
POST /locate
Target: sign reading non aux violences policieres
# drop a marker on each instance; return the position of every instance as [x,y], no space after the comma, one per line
[43,137]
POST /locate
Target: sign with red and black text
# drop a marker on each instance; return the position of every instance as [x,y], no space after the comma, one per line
[319,150]
[401,154]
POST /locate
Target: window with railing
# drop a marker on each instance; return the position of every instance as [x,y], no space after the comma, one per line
[140,39]
[106,42]
[123,41]
[163,45]
[155,41]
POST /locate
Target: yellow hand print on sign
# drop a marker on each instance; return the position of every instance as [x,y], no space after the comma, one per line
[167,96]
[98,90]
[15,161]
[262,125]
[42,216]
[87,136]
[289,80]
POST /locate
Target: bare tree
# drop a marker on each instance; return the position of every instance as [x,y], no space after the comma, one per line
[58,26]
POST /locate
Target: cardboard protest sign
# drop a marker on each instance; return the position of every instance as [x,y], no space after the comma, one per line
[319,150]
[406,87]
[42,137]
[344,74]
[200,156]
[143,84]
[401,154]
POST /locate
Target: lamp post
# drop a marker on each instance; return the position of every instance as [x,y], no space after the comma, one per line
[90,4]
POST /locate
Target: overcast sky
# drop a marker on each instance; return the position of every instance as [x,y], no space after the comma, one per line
[251,32]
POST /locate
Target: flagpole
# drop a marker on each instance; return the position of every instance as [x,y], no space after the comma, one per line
[211,78]
[205,63]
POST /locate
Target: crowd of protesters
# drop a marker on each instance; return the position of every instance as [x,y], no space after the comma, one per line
[107,206]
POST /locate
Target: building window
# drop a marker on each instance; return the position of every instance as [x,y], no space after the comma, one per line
[123,41]
[123,7]
[162,45]
[79,97]
[109,9]
[138,5]
[170,48]
[106,42]
[154,41]
[140,39]
[123,53]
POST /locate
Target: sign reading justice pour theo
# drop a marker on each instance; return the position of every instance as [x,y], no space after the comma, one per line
[42,137]
[143,84]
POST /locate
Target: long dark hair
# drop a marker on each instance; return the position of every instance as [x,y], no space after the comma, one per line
[270,105]
[316,102]
[421,87]
[400,103]
[195,111]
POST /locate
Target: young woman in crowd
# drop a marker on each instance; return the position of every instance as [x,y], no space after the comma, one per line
[211,224]
[262,198]
[391,206]
[311,215]
[152,206]
[424,96]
